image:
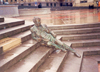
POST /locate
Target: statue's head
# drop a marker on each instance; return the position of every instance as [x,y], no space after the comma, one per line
[37,21]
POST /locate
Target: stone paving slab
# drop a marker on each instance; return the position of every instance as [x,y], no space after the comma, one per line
[90,63]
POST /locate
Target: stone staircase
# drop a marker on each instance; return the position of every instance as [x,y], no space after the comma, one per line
[19,53]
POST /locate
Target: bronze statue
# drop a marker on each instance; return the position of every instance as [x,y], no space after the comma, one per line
[42,34]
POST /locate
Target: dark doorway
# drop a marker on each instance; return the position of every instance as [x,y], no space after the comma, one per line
[47,4]
[51,4]
[54,4]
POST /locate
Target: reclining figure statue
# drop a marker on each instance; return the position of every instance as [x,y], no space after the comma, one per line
[42,34]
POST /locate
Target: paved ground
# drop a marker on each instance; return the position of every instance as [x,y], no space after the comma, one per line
[67,17]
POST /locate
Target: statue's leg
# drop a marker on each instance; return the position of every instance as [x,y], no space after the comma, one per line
[56,46]
[70,49]
[60,45]
[64,46]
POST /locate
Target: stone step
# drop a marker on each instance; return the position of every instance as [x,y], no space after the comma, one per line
[32,62]
[53,62]
[12,42]
[13,56]
[80,37]
[9,43]
[1,19]
[72,63]
[77,31]
[73,26]
[14,30]
[84,43]
[24,36]
[8,24]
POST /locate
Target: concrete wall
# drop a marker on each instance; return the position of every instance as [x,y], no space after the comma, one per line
[34,11]
[9,10]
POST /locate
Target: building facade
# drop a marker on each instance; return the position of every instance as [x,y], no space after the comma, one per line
[77,3]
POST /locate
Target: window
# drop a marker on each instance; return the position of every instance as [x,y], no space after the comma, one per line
[6,0]
[83,1]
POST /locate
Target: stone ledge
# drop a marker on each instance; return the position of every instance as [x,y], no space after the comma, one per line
[9,10]
[35,11]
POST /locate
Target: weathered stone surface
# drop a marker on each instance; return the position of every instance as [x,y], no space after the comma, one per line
[90,63]
[77,31]
[24,36]
[9,24]
[12,31]
[32,61]
[1,19]
[1,50]
[53,62]
[74,26]
[24,12]
[9,10]
[13,56]
[80,37]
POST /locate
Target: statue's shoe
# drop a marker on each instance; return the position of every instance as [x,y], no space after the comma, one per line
[58,51]
[76,54]
[64,51]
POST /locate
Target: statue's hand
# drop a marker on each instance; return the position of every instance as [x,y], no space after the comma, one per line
[48,31]
[39,39]
[45,40]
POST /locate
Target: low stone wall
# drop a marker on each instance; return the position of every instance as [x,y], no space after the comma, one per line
[9,10]
[34,11]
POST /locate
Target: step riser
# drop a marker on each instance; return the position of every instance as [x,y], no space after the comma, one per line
[56,60]
[77,32]
[74,26]
[1,50]
[26,38]
[12,24]
[34,69]
[19,57]
[1,19]
[9,43]
[80,37]
[61,65]
[90,53]
[11,33]
[90,44]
